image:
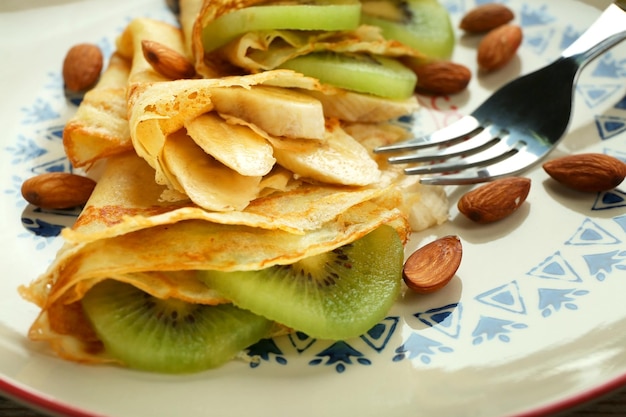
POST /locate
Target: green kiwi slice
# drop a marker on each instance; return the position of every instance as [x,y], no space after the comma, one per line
[422,24]
[313,15]
[335,295]
[168,336]
[376,75]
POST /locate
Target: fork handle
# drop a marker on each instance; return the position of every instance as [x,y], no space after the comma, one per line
[607,31]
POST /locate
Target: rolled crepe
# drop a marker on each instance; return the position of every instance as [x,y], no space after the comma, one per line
[267,50]
[127,233]
[183,200]
[99,128]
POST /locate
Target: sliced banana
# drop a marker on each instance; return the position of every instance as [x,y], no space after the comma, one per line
[339,159]
[237,147]
[366,108]
[207,182]
[278,111]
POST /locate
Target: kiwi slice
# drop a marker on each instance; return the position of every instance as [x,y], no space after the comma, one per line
[334,295]
[422,24]
[376,75]
[168,336]
[313,15]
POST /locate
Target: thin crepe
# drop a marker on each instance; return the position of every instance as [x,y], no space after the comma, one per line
[126,233]
[151,221]
[267,50]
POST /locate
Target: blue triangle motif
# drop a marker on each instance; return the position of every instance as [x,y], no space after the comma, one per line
[621,104]
[535,17]
[445,319]
[539,41]
[595,94]
[54,132]
[607,66]
[609,200]
[506,297]
[590,233]
[609,126]
[555,267]
[570,34]
[378,336]
[57,165]
[301,341]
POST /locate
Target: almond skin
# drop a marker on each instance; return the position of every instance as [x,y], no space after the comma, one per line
[442,77]
[495,200]
[587,172]
[486,17]
[498,47]
[167,61]
[432,266]
[82,66]
[57,190]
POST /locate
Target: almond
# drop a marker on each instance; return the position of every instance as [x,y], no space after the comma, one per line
[432,266]
[498,47]
[486,17]
[442,77]
[82,66]
[588,172]
[57,190]
[495,200]
[167,61]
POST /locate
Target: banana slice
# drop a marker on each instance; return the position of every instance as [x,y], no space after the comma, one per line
[207,182]
[339,159]
[356,107]
[278,111]
[237,147]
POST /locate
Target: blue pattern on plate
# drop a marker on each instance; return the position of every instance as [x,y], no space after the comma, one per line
[557,284]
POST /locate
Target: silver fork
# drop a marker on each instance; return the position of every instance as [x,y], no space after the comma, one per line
[519,124]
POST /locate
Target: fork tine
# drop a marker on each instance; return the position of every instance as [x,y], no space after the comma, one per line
[477,143]
[509,166]
[491,155]
[457,130]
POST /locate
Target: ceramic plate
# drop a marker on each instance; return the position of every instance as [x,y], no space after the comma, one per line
[534,321]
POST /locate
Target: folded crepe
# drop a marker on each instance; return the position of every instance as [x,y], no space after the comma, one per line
[99,128]
[127,233]
[236,172]
[266,50]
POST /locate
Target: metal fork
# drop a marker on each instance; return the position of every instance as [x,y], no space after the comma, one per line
[519,124]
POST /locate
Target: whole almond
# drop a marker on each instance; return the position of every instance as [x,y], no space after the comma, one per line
[486,17]
[167,61]
[495,200]
[498,47]
[587,172]
[432,266]
[442,77]
[82,66]
[57,190]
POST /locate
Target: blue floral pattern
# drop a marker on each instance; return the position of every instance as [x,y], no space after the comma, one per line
[557,284]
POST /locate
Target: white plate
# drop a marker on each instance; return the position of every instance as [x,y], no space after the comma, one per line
[535,320]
